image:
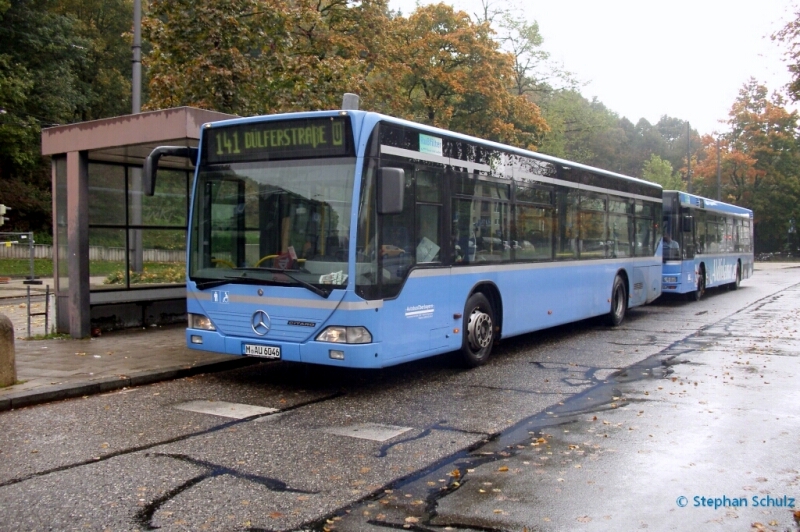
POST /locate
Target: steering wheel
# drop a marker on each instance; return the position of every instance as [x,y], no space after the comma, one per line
[224,262]
[262,259]
[270,257]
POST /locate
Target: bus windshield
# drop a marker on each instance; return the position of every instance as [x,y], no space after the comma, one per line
[672,235]
[273,222]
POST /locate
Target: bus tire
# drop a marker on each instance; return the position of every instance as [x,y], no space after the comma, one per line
[478,335]
[698,293]
[619,302]
[735,284]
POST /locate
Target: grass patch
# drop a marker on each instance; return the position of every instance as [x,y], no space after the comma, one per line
[13,384]
[154,272]
[50,336]
[22,267]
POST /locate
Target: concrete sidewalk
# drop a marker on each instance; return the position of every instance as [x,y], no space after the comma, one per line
[55,369]
[51,370]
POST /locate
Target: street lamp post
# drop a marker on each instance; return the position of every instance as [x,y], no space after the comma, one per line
[719,174]
[688,158]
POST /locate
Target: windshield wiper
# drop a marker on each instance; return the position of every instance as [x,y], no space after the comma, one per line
[209,283]
[322,292]
[213,283]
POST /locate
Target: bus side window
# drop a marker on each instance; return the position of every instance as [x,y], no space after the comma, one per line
[429,214]
[428,220]
[566,224]
[644,229]
[394,250]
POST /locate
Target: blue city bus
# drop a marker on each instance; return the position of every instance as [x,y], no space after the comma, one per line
[349,238]
[707,243]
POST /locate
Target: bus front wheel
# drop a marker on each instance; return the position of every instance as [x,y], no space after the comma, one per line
[619,302]
[478,335]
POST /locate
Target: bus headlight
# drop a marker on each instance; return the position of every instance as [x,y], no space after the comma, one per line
[198,321]
[345,335]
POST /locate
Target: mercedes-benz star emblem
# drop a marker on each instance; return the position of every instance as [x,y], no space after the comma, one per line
[260,322]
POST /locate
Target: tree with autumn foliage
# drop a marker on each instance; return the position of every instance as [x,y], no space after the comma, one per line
[333,47]
[261,56]
[209,54]
[739,176]
[760,163]
[449,72]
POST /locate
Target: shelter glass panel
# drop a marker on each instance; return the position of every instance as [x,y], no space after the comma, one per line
[62,236]
[163,258]
[167,207]
[106,194]
[107,259]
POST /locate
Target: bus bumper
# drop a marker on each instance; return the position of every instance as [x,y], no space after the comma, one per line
[312,352]
[674,283]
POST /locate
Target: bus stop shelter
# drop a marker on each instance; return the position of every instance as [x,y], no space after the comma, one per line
[119,256]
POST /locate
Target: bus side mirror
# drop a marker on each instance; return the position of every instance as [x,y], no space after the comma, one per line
[151,163]
[391,189]
[687,224]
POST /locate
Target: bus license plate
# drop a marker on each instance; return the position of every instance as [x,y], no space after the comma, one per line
[263,351]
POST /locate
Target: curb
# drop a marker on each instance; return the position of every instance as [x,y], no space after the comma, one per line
[70,391]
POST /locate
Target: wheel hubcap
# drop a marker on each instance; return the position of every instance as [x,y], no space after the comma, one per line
[479,330]
[618,302]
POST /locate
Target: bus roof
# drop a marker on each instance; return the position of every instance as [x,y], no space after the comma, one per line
[513,149]
[370,118]
[708,204]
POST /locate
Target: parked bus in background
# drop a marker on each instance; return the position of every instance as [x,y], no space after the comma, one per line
[350,238]
[707,243]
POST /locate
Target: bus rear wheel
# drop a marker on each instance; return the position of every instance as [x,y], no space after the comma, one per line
[478,328]
[735,284]
[701,286]
[619,302]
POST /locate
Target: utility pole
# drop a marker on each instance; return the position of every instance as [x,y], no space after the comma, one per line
[136,80]
[135,245]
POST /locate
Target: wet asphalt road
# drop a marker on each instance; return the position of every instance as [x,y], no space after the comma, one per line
[576,428]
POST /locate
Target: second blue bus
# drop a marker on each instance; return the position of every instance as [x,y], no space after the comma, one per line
[707,243]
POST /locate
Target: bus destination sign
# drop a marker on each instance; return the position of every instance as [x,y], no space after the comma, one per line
[317,137]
